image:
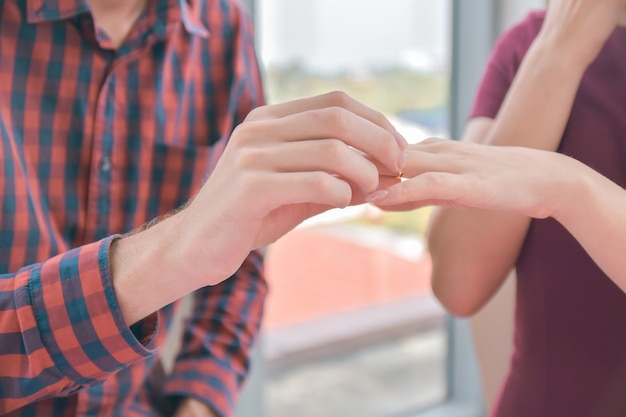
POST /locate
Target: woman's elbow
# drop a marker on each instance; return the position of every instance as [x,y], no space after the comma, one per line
[458,300]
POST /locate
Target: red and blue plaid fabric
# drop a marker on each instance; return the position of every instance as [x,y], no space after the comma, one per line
[96,142]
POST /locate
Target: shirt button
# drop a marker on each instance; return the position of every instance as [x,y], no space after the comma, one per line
[105,164]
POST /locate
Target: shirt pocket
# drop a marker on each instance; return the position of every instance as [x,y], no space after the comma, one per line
[177,173]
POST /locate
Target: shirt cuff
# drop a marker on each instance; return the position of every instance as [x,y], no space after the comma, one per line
[79,319]
[208,381]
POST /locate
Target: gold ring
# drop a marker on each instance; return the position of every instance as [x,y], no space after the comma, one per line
[400,174]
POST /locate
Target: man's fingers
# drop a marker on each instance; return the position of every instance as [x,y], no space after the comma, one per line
[320,188]
[333,99]
[332,122]
[328,155]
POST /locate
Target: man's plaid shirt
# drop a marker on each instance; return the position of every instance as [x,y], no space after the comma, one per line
[96,142]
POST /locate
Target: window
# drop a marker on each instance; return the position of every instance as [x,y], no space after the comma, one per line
[351,327]
[472,31]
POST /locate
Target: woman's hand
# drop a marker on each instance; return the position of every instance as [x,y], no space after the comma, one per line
[581,26]
[457,174]
[531,182]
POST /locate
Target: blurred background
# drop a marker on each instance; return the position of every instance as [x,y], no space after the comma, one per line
[351,327]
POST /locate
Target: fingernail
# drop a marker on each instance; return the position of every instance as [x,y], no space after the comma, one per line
[376,196]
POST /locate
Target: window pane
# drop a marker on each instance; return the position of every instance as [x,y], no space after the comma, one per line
[351,327]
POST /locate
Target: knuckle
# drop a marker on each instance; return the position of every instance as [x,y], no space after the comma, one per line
[258,113]
[334,191]
[246,157]
[333,149]
[432,180]
[320,182]
[242,133]
[235,136]
[323,184]
[339,98]
[254,132]
[338,118]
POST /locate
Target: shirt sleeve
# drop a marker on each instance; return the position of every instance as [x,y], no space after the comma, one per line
[214,357]
[61,328]
[505,60]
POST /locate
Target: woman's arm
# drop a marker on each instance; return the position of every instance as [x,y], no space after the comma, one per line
[474,250]
[528,182]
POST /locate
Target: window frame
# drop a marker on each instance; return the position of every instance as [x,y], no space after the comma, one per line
[474,26]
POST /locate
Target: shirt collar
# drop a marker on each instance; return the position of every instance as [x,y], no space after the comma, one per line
[49,10]
[190,15]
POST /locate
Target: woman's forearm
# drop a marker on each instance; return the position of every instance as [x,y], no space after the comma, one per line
[474,250]
[529,182]
[539,102]
[593,209]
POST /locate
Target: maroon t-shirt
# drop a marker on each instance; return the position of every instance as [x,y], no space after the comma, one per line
[570,323]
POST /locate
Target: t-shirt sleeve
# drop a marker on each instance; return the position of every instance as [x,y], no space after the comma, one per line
[503,64]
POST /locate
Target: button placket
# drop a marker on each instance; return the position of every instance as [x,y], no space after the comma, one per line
[105,165]
[102,164]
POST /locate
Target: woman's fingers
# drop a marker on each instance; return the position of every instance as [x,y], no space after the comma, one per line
[456,174]
[436,155]
[425,189]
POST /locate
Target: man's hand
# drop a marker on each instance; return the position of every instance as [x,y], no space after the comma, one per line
[285,163]
[190,407]
[282,165]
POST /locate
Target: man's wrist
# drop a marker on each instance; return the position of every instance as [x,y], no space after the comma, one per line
[146,272]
